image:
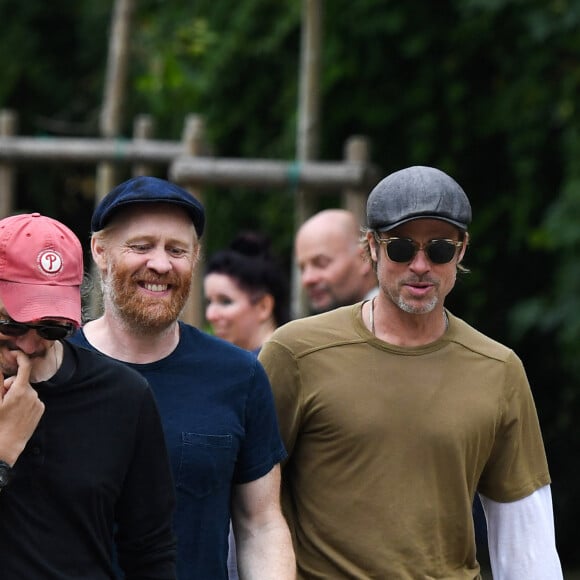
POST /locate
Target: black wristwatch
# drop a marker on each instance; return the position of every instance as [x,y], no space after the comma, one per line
[5,474]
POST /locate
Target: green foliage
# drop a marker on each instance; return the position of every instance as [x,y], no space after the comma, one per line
[53,63]
[200,58]
[195,59]
[559,307]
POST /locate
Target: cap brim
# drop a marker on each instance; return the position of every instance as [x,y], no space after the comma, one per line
[462,227]
[28,302]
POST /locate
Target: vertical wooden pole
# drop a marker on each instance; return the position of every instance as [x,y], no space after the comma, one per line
[143,129]
[114,91]
[111,112]
[356,150]
[308,126]
[193,144]
[8,128]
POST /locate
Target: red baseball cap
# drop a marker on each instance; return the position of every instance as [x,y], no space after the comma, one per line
[41,269]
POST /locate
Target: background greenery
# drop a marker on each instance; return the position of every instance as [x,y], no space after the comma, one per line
[484,89]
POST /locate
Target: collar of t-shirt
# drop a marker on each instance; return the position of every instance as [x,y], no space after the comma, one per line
[66,369]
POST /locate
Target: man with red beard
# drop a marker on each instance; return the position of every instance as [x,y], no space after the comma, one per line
[79,433]
[215,399]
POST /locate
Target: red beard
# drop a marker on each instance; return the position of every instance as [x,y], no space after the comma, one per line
[146,312]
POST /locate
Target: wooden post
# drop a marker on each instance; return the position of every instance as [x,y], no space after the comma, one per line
[356,150]
[308,127]
[193,145]
[114,90]
[8,128]
[143,130]
[111,112]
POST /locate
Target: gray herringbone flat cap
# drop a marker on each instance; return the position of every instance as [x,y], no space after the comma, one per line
[417,192]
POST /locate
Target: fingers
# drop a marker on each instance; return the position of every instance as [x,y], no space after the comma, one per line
[22,377]
[22,383]
[20,411]
[24,368]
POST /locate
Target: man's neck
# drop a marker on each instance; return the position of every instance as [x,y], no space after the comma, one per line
[390,324]
[45,368]
[119,341]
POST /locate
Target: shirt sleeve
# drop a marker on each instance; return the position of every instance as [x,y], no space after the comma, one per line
[517,465]
[262,448]
[521,537]
[284,376]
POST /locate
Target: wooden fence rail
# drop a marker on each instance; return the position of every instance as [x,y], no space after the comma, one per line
[88,150]
[189,165]
[198,171]
[265,174]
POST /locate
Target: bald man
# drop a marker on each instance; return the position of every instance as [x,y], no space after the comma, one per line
[333,271]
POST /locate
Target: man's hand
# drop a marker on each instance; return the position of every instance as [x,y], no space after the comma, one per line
[20,411]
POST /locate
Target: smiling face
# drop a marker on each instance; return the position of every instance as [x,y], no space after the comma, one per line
[235,314]
[418,286]
[146,259]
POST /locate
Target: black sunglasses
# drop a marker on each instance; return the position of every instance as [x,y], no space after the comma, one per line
[48,331]
[403,250]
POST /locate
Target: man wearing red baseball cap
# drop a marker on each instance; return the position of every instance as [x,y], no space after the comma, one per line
[82,456]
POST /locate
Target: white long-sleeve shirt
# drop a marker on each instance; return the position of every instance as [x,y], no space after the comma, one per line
[522,539]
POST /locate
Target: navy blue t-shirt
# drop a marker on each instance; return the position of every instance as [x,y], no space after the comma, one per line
[220,425]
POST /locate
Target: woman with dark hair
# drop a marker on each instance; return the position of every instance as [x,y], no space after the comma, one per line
[246,292]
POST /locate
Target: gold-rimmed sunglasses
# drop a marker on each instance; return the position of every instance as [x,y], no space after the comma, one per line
[403,250]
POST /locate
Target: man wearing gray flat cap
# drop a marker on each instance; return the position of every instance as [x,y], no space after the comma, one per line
[395,413]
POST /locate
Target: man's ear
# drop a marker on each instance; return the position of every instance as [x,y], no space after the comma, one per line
[196,253]
[98,253]
[463,248]
[372,246]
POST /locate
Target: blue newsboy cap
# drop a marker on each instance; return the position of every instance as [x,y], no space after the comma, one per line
[147,190]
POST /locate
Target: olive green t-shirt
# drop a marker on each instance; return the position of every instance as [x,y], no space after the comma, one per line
[387,445]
